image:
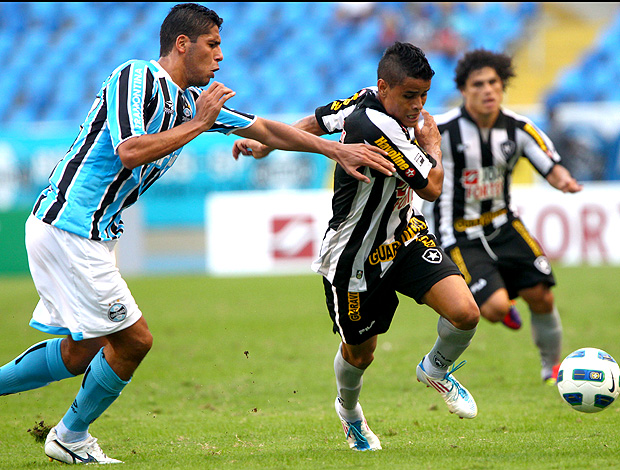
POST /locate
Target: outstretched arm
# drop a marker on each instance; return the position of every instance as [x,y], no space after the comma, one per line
[254,148]
[277,135]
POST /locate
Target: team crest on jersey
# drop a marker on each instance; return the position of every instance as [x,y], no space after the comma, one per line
[117,312]
[508,149]
[433,256]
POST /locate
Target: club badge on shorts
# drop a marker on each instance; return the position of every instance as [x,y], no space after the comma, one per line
[542,264]
[432,255]
[117,312]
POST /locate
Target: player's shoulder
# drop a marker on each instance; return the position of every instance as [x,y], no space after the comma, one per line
[448,116]
[520,119]
[136,64]
[369,109]
[373,90]
[136,69]
[354,100]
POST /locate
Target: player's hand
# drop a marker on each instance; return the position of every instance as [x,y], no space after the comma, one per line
[560,178]
[353,156]
[251,148]
[210,102]
[428,135]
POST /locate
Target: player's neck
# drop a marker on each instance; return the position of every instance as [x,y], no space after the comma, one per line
[483,120]
[173,70]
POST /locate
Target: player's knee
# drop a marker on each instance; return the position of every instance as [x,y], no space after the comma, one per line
[134,347]
[143,344]
[539,298]
[360,359]
[494,314]
[467,316]
[471,317]
[362,362]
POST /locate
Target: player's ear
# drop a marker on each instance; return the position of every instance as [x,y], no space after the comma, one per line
[383,87]
[182,43]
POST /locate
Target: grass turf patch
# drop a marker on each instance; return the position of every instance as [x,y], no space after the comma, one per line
[241,376]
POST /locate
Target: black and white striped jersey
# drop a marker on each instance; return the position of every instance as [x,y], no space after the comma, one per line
[478,169]
[371,222]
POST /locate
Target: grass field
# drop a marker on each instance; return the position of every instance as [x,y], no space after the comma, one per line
[241,376]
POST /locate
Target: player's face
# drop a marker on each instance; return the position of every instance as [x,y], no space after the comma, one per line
[483,92]
[203,58]
[405,101]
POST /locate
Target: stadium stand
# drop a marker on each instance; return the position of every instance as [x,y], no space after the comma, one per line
[598,72]
[280,57]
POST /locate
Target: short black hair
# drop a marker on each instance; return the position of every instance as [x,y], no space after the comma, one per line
[402,60]
[480,58]
[190,19]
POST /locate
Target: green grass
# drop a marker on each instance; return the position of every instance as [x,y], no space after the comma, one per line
[241,376]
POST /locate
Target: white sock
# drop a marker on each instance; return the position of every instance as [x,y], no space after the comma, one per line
[547,336]
[69,437]
[451,343]
[349,380]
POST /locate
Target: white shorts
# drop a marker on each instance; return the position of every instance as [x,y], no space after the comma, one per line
[82,292]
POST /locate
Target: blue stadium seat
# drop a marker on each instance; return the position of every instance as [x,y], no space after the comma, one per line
[598,71]
[263,43]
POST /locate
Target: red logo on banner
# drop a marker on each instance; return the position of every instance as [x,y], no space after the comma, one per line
[292,237]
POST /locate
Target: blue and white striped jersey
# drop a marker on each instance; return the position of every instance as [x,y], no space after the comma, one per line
[89,188]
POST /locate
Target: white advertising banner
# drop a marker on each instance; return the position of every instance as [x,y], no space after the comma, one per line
[579,228]
[265,232]
[280,232]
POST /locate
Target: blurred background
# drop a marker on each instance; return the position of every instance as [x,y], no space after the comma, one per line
[283,60]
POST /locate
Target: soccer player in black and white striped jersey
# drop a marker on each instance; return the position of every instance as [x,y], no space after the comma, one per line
[500,259]
[145,112]
[378,244]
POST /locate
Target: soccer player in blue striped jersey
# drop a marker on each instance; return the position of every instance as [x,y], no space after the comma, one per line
[144,114]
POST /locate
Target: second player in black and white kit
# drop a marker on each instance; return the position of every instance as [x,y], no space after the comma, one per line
[474,221]
[476,197]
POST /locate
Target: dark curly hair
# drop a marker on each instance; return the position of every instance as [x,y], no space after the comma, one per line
[402,60]
[480,58]
[190,19]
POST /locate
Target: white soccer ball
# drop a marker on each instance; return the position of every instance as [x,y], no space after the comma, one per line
[588,380]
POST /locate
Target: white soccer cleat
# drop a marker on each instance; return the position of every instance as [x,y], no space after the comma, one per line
[358,434]
[457,397]
[83,452]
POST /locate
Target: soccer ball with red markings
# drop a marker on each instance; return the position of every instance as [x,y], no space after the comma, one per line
[588,380]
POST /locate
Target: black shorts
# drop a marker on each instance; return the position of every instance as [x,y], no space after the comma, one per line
[512,259]
[358,316]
